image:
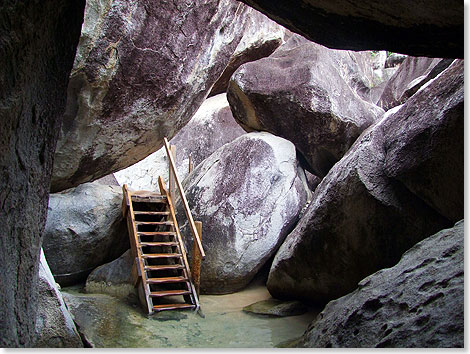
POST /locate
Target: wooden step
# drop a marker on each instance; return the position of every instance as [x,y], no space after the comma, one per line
[136,212]
[168,223]
[158,244]
[167,280]
[158,308]
[164,267]
[161,255]
[156,233]
[169,293]
[148,199]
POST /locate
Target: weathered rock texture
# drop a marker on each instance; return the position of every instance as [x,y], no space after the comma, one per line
[54,325]
[98,318]
[411,75]
[142,70]
[261,37]
[84,230]
[361,220]
[425,144]
[38,41]
[113,278]
[211,127]
[394,59]
[248,195]
[433,28]
[417,303]
[307,94]
[109,180]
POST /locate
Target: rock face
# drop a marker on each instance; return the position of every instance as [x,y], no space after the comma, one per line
[434,28]
[304,93]
[113,278]
[248,195]
[417,303]
[38,44]
[360,219]
[98,317]
[134,83]
[394,59]
[426,153]
[84,230]
[411,75]
[54,325]
[261,37]
[211,127]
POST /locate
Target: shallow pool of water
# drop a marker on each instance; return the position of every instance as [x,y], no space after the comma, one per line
[116,323]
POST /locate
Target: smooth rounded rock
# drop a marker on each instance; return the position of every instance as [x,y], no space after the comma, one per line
[307,94]
[399,183]
[248,195]
[84,230]
[142,70]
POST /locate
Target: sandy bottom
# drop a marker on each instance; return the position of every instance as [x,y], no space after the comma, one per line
[225,325]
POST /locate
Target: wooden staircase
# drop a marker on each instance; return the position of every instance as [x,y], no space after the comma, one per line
[161,271]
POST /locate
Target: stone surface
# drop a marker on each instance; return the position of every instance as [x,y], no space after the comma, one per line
[261,37]
[211,127]
[38,41]
[425,143]
[54,325]
[113,278]
[394,59]
[84,230]
[411,75]
[305,93]
[360,220]
[434,28]
[277,308]
[109,180]
[248,195]
[142,70]
[418,303]
[98,318]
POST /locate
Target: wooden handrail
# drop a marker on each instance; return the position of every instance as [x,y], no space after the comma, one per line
[192,225]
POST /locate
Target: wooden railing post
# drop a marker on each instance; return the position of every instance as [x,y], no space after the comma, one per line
[190,165]
[171,176]
[197,259]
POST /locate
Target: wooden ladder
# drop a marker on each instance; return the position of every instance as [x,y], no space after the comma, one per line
[160,271]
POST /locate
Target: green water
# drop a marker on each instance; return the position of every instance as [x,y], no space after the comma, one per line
[112,323]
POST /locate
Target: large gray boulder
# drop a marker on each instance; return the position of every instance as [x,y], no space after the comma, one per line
[142,70]
[113,278]
[433,28]
[84,230]
[101,319]
[305,93]
[54,324]
[261,37]
[410,76]
[426,153]
[38,42]
[418,303]
[211,127]
[248,195]
[360,219]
